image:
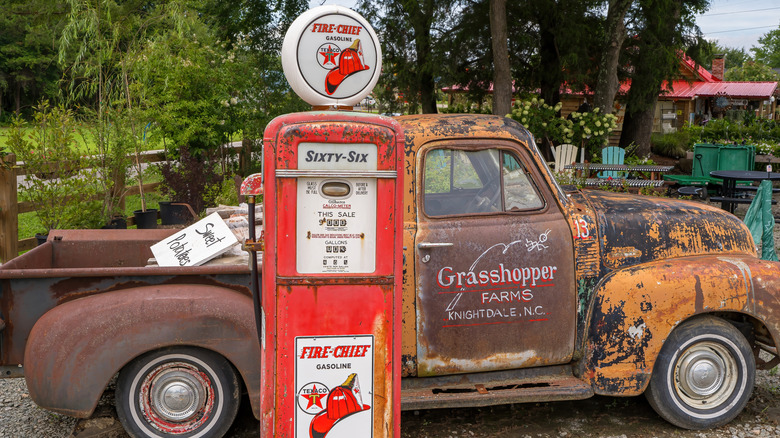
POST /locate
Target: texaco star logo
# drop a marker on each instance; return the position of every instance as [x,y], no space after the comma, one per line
[327,55]
[312,396]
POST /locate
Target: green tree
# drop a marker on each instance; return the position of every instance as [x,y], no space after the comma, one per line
[569,39]
[254,31]
[666,27]
[411,34]
[607,82]
[768,52]
[95,49]
[735,56]
[549,42]
[182,80]
[752,71]
[502,77]
[28,71]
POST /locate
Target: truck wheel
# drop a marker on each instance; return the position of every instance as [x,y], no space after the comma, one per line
[703,376]
[178,392]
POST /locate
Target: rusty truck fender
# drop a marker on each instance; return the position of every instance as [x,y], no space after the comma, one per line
[76,348]
[635,309]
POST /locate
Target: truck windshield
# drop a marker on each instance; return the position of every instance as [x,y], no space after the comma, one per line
[460,182]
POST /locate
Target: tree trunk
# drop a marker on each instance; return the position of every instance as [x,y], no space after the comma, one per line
[550,80]
[502,77]
[421,23]
[656,61]
[638,128]
[607,83]
[18,97]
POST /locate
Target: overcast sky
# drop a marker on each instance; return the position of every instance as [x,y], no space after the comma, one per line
[739,23]
[733,23]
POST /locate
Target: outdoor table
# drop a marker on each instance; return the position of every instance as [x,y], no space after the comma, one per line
[654,170]
[728,201]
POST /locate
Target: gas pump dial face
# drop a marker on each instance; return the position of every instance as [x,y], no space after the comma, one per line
[336,219]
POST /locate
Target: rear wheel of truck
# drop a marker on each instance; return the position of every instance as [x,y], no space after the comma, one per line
[703,376]
[178,392]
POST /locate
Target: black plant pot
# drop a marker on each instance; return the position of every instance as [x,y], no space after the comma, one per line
[175,213]
[117,223]
[146,219]
[41,238]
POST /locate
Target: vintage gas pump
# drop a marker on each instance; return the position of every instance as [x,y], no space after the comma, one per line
[331,271]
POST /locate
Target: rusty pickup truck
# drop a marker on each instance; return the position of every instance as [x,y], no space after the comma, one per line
[515,290]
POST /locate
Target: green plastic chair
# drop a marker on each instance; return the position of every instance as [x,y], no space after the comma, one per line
[612,155]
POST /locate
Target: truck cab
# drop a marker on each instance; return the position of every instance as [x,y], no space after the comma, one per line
[518,289]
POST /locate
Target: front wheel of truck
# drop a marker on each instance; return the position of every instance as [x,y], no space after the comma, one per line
[179,392]
[703,376]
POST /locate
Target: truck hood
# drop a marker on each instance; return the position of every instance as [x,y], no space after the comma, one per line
[636,229]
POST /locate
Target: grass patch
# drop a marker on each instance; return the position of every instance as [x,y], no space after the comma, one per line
[86,142]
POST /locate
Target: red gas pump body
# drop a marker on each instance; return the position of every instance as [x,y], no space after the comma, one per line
[332,276]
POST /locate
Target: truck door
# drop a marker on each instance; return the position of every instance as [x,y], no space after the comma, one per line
[494,262]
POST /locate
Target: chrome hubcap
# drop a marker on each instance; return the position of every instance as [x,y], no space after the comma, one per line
[177,395]
[705,375]
[176,398]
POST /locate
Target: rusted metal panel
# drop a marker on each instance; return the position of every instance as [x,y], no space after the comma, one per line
[68,364]
[88,253]
[497,387]
[505,283]
[587,256]
[493,348]
[83,263]
[636,229]
[409,306]
[636,308]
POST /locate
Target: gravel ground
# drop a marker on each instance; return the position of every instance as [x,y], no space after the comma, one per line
[21,418]
[598,417]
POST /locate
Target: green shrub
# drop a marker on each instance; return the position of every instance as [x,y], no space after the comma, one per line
[63,193]
[673,144]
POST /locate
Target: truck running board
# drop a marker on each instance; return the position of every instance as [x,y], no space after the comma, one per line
[485,389]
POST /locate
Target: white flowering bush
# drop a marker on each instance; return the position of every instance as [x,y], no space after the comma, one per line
[592,129]
[543,120]
[589,129]
[766,148]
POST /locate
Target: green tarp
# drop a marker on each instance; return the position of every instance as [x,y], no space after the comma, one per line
[761,223]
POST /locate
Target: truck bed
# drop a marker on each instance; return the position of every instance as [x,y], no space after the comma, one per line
[78,263]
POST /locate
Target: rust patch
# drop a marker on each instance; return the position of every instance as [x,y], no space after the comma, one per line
[659,229]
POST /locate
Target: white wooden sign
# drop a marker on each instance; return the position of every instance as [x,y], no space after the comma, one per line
[196,244]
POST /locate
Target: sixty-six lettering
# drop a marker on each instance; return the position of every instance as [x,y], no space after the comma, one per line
[335,157]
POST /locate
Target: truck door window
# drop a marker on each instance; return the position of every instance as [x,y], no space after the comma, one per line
[460,182]
[519,191]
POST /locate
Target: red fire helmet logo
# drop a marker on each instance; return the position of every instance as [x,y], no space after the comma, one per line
[342,401]
[350,62]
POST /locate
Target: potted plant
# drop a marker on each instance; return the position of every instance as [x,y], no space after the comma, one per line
[191,183]
[67,199]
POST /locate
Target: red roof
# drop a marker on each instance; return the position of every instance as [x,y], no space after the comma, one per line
[744,90]
[700,71]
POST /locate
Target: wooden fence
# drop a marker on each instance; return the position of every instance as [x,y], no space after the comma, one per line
[11,208]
